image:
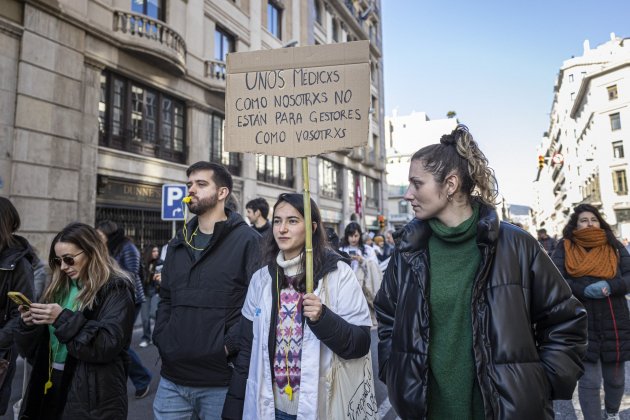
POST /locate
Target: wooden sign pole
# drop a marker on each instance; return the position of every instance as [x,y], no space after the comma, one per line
[308,224]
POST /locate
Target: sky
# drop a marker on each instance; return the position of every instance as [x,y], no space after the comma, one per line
[494,63]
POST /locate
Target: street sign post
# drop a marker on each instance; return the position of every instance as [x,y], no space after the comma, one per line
[172,206]
[172,195]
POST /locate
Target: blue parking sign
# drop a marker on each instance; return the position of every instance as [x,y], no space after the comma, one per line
[172,206]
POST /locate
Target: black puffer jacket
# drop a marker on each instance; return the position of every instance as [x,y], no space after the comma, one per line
[16,274]
[201,301]
[94,383]
[529,332]
[608,318]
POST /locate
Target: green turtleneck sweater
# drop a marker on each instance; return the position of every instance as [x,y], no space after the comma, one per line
[454,260]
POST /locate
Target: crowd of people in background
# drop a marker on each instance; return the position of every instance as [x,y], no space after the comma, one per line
[511,322]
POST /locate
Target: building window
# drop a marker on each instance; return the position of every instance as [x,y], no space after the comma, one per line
[618,149]
[232,161]
[352,189]
[275,170]
[370,191]
[572,96]
[223,44]
[612,92]
[318,12]
[151,8]
[141,120]
[403,207]
[570,78]
[374,108]
[330,179]
[620,185]
[274,16]
[335,30]
[615,121]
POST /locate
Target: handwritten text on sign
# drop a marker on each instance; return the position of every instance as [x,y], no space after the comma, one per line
[301,109]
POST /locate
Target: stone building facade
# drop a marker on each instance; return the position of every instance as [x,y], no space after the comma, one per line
[103,101]
[583,151]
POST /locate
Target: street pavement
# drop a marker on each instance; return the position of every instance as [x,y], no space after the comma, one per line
[142,409]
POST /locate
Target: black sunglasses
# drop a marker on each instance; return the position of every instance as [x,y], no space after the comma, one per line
[67,259]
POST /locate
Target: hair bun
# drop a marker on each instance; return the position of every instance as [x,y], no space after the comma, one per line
[449,139]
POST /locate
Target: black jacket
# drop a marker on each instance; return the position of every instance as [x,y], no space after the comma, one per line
[94,383]
[344,339]
[529,332]
[608,318]
[16,275]
[201,302]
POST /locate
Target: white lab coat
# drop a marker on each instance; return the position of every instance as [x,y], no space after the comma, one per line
[346,295]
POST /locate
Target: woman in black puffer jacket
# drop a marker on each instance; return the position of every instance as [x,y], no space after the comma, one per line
[77,339]
[597,267]
[16,274]
[474,320]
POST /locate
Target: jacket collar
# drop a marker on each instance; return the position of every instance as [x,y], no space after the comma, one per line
[415,235]
[10,256]
[220,228]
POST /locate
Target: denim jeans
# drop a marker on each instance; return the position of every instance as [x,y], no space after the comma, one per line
[590,384]
[149,307]
[281,415]
[179,402]
[139,375]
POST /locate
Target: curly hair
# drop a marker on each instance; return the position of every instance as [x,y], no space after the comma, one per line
[571,226]
[458,152]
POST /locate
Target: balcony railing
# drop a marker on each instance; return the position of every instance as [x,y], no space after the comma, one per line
[215,70]
[149,36]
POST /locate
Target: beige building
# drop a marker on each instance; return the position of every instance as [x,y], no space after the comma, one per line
[103,101]
[584,148]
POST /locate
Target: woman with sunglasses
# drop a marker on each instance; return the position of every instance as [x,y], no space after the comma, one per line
[16,274]
[289,336]
[76,339]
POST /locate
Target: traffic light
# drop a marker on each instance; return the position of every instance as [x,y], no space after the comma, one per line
[541,161]
[381,221]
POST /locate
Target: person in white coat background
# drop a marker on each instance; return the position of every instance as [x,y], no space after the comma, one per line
[289,336]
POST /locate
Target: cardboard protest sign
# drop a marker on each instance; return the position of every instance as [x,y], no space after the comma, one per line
[297,102]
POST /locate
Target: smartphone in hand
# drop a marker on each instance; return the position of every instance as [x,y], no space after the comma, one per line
[19,299]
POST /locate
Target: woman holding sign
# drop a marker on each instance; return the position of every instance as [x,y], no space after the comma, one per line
[291,338]
[475,321]
[76,338]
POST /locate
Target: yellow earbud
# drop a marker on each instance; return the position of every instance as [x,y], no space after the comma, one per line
[188,240]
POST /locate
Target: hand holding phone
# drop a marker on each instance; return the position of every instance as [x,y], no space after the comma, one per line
[19,299]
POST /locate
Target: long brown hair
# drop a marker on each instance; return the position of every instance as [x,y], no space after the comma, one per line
[9,224]
[321,247]
[94,275]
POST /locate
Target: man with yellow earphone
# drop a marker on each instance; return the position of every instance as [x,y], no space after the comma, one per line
[205,277]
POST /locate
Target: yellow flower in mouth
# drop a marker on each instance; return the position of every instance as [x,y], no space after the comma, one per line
[186,199]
